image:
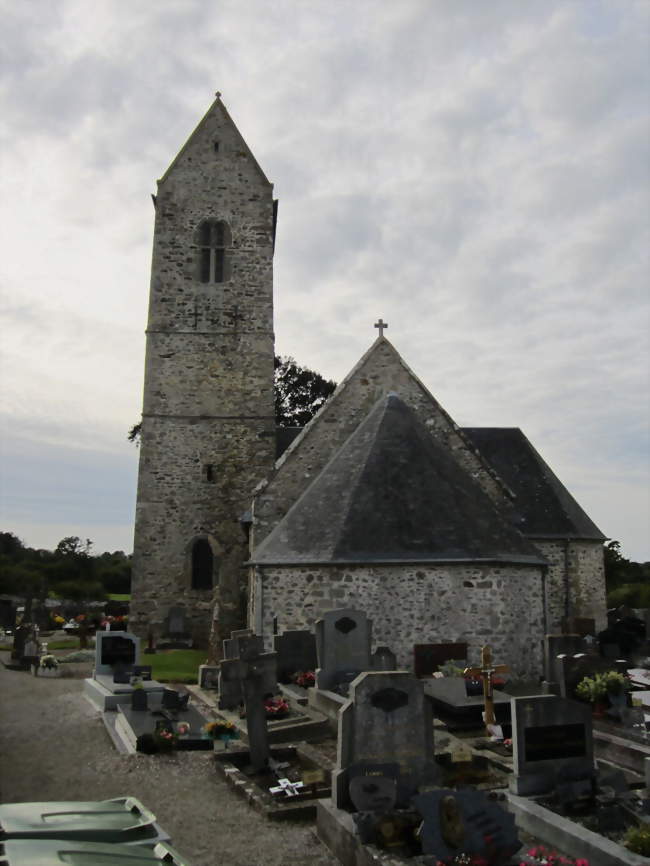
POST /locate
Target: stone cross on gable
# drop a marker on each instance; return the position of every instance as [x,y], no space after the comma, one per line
[382,326]
[485,672]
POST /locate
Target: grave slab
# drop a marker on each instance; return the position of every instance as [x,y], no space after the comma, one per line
[130,724]
[458,710]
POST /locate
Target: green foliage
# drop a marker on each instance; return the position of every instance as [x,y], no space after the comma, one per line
[176,666]
[631,594]
[620,571]
[70,571]
[592,689]
[299,392]
[637,840]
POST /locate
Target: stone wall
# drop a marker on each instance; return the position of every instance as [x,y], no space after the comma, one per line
[575,583]
[379,372]
[408,604]
[208,419]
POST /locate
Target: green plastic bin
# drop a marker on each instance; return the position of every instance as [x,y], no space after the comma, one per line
[123,819]
[73,852]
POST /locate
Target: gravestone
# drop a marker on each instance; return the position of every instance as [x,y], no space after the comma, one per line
[343,639]
[383,659]
[231,645]
[296,651]
[386,720]
[466,822]
[427,657]
[208,676]
[113,649]
[552,741]
[176,633]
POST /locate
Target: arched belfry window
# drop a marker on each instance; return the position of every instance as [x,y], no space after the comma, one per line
[202,564]
[214,246]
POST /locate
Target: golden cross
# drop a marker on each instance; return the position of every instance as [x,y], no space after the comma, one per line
[486,672]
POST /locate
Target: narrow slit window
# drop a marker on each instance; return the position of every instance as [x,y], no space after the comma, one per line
[202,564]
[209,472]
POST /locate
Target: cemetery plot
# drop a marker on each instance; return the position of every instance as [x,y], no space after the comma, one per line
[288,787]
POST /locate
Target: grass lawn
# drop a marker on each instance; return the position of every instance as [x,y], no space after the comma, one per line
[119,596]
[175,666]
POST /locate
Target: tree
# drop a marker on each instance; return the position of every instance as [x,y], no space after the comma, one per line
[299,393]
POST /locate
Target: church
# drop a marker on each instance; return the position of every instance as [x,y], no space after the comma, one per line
[439,533]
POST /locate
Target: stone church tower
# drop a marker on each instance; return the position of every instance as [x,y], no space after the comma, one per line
[208,430]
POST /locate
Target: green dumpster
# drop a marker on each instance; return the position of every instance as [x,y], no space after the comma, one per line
[123,819]
[72,852]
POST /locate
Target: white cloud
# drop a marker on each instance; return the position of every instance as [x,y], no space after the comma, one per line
[474,173]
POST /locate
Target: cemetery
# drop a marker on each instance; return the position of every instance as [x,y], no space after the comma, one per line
[421,766]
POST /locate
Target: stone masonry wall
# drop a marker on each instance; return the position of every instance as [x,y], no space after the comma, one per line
[582,591]
[499,605]
[208,393]
[379,372]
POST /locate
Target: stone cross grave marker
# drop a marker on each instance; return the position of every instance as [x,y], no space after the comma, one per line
[486,672]
[386,721]
[552,741]
[296,651]
[343,639]
[254,672]
[115,648]
[241,646]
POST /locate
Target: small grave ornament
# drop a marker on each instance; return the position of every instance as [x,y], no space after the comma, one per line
[486,673]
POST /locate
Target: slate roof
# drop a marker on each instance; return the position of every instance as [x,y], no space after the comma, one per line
[543,506]
[392,494]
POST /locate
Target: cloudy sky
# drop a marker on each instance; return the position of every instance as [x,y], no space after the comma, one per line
[474,172]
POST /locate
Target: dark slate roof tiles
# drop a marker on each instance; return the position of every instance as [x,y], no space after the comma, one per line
[392,494]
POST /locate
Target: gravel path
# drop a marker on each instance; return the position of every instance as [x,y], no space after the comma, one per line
[53,746]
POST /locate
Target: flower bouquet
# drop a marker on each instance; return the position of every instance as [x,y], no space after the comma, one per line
[541,856]
[165,739]
[221,730]
[305,679]
[46,666]
[276,708]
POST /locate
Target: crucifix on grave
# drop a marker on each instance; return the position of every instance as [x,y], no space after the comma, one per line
[382,326]
[486,672]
